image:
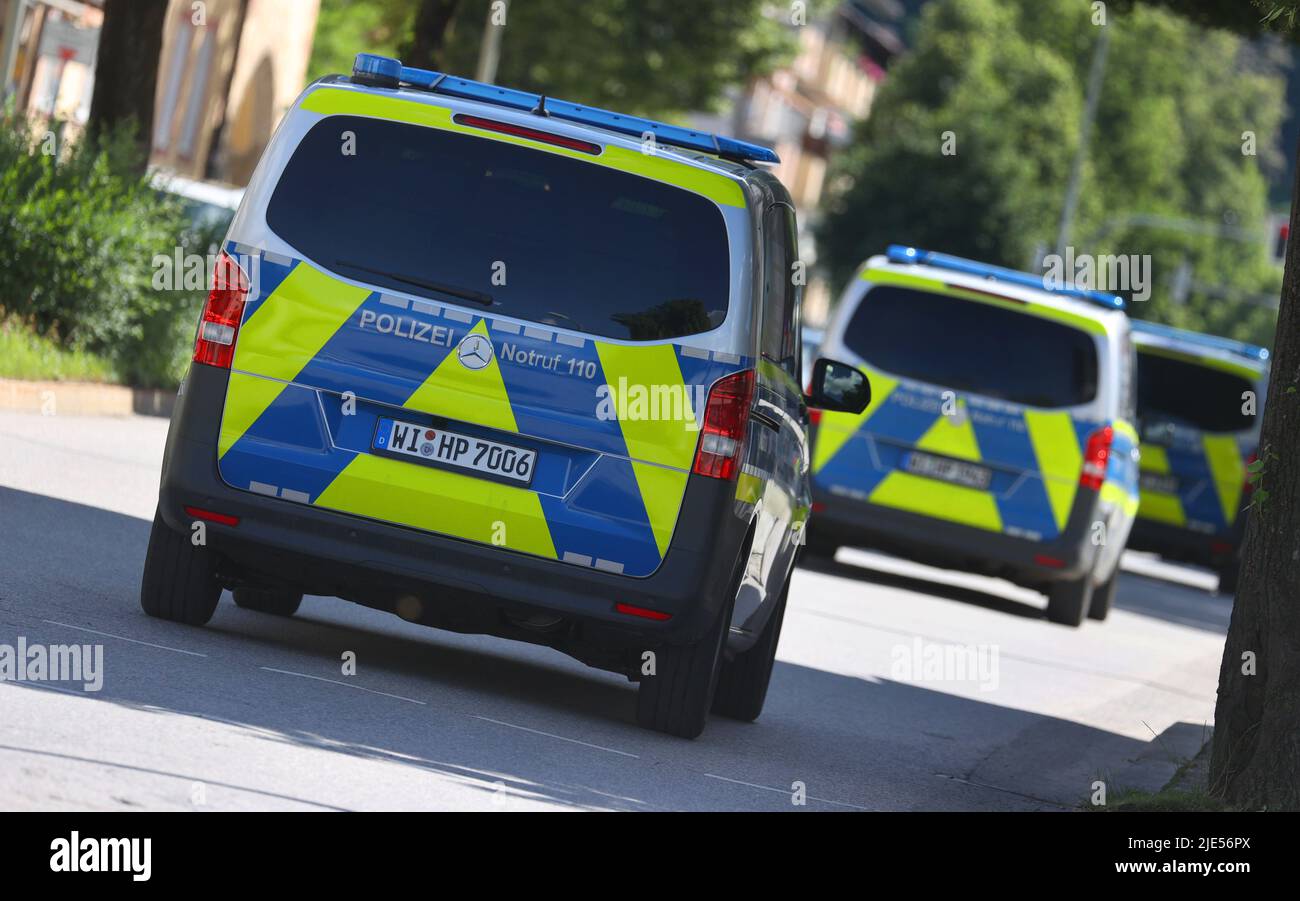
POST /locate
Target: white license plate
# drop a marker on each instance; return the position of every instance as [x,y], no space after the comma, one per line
[970,475]
[440,447]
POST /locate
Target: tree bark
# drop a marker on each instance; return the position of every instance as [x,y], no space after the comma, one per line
[432,22]
[1255,756]
[126,72]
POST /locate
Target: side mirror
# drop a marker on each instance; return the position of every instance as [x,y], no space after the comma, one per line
[838,387]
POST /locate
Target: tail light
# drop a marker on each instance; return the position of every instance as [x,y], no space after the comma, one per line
[1095,457]
[214,345]
[723,431]
[1248,486]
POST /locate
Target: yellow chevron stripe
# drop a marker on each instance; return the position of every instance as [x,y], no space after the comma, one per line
[716,187]
[930,497]
[470,395]
[467,507]
[1060,461]
[952,436]
[668,444]
[290,328]
[1228,470]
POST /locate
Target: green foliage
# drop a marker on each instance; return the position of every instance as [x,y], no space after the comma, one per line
[647,57]
[1008,80]
[78,235]
[345,28]
[25,355]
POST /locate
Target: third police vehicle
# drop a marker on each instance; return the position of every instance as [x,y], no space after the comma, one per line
[1200,403]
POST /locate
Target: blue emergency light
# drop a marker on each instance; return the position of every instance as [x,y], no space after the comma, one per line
[897,253]
[1240,348]
[386,72]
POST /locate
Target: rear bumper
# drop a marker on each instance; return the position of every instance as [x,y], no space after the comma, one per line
[1186,545]
[447,582]
[841,520]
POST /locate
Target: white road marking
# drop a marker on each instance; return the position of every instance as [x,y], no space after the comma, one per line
[575,741]
[786,792]
[271,669]
[161,647]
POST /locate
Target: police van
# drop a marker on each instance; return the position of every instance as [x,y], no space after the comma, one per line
[1200,401]
[503,364]
[999,436]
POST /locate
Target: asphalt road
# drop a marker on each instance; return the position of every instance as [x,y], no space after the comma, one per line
[253,712]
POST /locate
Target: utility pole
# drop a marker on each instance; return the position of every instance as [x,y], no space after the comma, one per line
[1096,73]
[489,51]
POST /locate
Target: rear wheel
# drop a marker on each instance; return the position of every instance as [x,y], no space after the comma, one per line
[677,697]
[1102,596]
[268,600]
[1067,602]
[743,681]
[179,582]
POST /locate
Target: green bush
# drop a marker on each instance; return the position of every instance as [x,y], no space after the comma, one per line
[80,228]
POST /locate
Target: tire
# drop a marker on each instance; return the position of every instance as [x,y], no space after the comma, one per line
[677,698]
[819,550]
[1228,578]
[279,602]
[1068,602]
[1102,596]
[743,680]
[179,583]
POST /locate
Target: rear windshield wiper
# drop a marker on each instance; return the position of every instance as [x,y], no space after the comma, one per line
[463,293]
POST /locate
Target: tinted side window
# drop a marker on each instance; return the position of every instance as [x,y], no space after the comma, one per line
[781,294]
[972,346]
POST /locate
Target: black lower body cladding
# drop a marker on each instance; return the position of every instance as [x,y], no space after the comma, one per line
[443,581]
[846,521]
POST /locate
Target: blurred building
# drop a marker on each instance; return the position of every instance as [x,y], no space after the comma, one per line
[228,71]
[806,110]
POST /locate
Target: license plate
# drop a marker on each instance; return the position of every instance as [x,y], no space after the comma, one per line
[969,475]
[1157,483]
[440,447]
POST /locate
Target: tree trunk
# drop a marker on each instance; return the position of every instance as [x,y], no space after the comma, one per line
[432,22]
[126,73]
[1255,758]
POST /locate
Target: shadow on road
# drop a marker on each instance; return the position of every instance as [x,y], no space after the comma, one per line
[500,714]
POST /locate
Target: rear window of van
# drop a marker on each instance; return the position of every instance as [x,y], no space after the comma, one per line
[516,231]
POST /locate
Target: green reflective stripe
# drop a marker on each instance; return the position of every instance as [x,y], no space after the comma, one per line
[749,488]
[952,437]
[290,328]
[1059,459]
[467,507]
[930,497]
[1046,311]
[669,444]
[1166,508]
[1113,493]
[1154,459]
[836,428]
[716,187]
[469,395]
[247,397]
[1125,428]
[1228,471]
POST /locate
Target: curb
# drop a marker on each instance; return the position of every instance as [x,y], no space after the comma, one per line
[84,399]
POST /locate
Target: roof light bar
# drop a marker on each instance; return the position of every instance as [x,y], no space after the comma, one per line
[1240,348]
[384,71]
[897,253]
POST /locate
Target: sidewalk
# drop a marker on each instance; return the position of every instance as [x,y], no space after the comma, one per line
[84,399]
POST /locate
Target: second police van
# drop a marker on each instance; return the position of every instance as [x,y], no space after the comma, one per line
[1200,404]
[999,438]
[504,364]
